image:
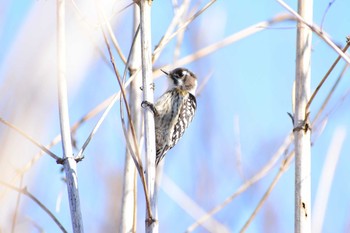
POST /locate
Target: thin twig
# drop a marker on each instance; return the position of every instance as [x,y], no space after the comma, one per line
[203,84]
[128,216]
[326,75]
[284,166]
[335,107]
[258,176]
[110,105]
[184,8]
[227,41]
[179,12]
[325,102]
[133,132]
[114,40]
[189,205]
[14,220]
[182,27]
[137,157]
[42,147]
[316,30]
[325,13]
[33,198]
[80,155]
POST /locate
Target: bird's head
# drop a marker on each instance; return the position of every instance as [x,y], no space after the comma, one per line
[183,79]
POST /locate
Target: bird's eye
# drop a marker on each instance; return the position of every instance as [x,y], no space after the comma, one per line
[178,75]
[184,73]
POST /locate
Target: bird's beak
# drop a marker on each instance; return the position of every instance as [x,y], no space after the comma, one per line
[164,72]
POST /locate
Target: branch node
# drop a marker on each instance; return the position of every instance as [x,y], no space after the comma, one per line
[61,160]
[150,221]
[303,125]
[79,159]
[25,190]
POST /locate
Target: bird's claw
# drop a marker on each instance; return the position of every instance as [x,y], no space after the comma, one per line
[146,104]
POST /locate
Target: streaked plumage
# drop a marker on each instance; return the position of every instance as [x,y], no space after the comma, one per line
[175,110]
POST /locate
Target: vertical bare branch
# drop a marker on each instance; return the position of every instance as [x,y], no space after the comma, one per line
[69,163]
[301,121]
[147,81]
[129,207]
[131,143]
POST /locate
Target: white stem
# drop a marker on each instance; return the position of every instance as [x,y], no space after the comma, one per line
[302,132]
[69,162]
[129,207]
[146,48]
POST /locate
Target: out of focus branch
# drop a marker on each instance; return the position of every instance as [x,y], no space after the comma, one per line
[33,198]
[24,134]
[315,29]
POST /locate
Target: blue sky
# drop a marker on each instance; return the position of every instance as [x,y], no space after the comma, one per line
[251,84]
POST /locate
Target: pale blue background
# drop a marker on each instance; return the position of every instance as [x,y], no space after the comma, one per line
[252,80]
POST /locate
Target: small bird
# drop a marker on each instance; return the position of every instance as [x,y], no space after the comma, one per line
[174,110]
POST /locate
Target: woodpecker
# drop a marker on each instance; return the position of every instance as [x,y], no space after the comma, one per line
[174,110]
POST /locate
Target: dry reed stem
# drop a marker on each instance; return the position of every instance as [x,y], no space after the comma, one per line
[137,156]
